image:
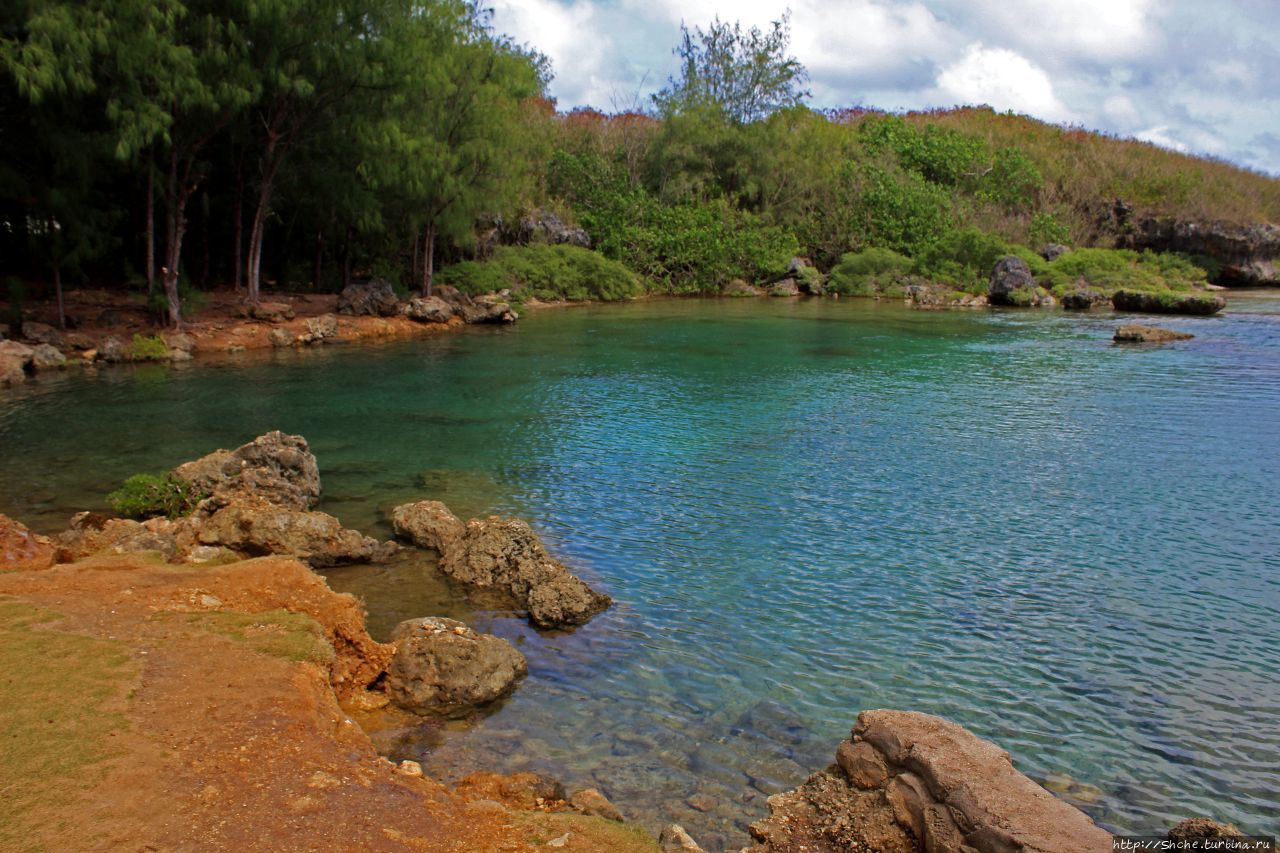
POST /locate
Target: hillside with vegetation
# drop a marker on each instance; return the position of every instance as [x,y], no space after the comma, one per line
[166,149]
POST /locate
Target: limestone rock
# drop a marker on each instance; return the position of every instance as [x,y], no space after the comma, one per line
[270,312]
[1199,304]
[90,533]
[42,333]
[443,667]
[503,554]
[1202,827]
[1052,251]
[113,351]
[1136,334]
[738,287]
[1082,299]
[675,840]
[376,298]
[21,549]
[786,287]
[180,341]
[526,791]
[280,338]
[1247,253]
[432,309]
[428,524]
[862,764]
[589,801]
[1011,283]
[255,527]
[492,313]
[16,360]
[276,467]
[320,328]
[543,226]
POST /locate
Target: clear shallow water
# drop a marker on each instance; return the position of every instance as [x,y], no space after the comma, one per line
[804,509]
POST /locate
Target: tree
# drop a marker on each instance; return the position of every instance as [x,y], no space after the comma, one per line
[451,143]
[744,74]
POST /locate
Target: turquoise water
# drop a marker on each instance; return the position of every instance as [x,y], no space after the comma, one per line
[803,509]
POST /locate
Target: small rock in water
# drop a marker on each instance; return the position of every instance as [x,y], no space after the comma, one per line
[675,840]
[700,802]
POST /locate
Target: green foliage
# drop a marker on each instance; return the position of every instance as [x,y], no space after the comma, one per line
[867,272]
[1109,270]
[148,348]
[151,495]
[746,75]
[1045,228]
[962,258]
[903,212]
[810,279]
[1013,181]
[939,155]
[549,273]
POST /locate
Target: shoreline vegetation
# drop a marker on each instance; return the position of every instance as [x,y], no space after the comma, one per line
[296,674]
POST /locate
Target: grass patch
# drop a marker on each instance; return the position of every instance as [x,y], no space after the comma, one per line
[54,721]
[549,273]
[278,633]
[586,833]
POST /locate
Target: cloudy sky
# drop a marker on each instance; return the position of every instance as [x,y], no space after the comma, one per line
[1186,74]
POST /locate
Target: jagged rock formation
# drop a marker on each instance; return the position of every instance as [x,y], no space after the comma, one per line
[913,782]
[1246,254]
[502,554]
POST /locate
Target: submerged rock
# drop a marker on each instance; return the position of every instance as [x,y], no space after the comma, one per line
[1136,334]
[21,549]
[376,298]
[443,667]
[1200,304]
[1202,827]
[906,782]
[503,554]
[526,791]
[275,467]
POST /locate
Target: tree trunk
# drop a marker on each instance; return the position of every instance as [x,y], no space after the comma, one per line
[346,259]
[204,240]
[428,259]
[417,250]
[57,286]
[253,271]
[319,261]
[175,229]
[150,261]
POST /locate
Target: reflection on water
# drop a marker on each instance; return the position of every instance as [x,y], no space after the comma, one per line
[803,509]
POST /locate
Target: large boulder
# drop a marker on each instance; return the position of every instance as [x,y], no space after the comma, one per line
[543,226]
[16,361]
[906,781]
[1246,254]
[113,351]
[1168,302]
[443,667]
[502,554]
[90,533]
[276,467]
[21,549]
[375,297]
[488,312]
[1011,283]
[432,309]
[257,528]
[42,333]
[1083,297]
[270,312]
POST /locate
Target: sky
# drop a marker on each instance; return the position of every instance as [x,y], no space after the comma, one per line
[1189,75]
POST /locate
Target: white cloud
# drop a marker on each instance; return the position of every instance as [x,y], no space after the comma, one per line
[572,36]
[1060,31]
[1003,80]
[1161,135]
[1121,111]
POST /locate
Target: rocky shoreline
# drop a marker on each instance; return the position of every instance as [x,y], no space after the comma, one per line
[902,782]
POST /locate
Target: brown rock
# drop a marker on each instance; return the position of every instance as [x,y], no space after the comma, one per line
[1203,827]
[280,338]
[275,467]
[255,527]
[271,312]
[431,309]
[675,840]
[908,798]
[589,801]
[1136,334]
[320,328]
[862,764]
[46,357]
[90,533]
[443,667]
[428,524]
[518,791]
[21,549]
[941,834]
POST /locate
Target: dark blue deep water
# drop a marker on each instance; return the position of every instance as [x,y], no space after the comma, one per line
[803,509]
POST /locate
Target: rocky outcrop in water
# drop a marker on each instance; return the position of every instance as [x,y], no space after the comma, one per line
[1246,254]
[257,527]
[441,666]
[275,467]
[1135,334]
[1198,304]
[502,554]
[913,782]
[1083,298]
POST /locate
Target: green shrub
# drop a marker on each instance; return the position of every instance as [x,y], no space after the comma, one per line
[1045,228]
[148,348]
[867,272]
[545,272]
[963,259]
[809,278]
[151,495]
[1109,270]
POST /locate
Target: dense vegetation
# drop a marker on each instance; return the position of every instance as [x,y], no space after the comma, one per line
[175,146]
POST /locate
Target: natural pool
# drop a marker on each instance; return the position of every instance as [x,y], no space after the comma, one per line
[803,509]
